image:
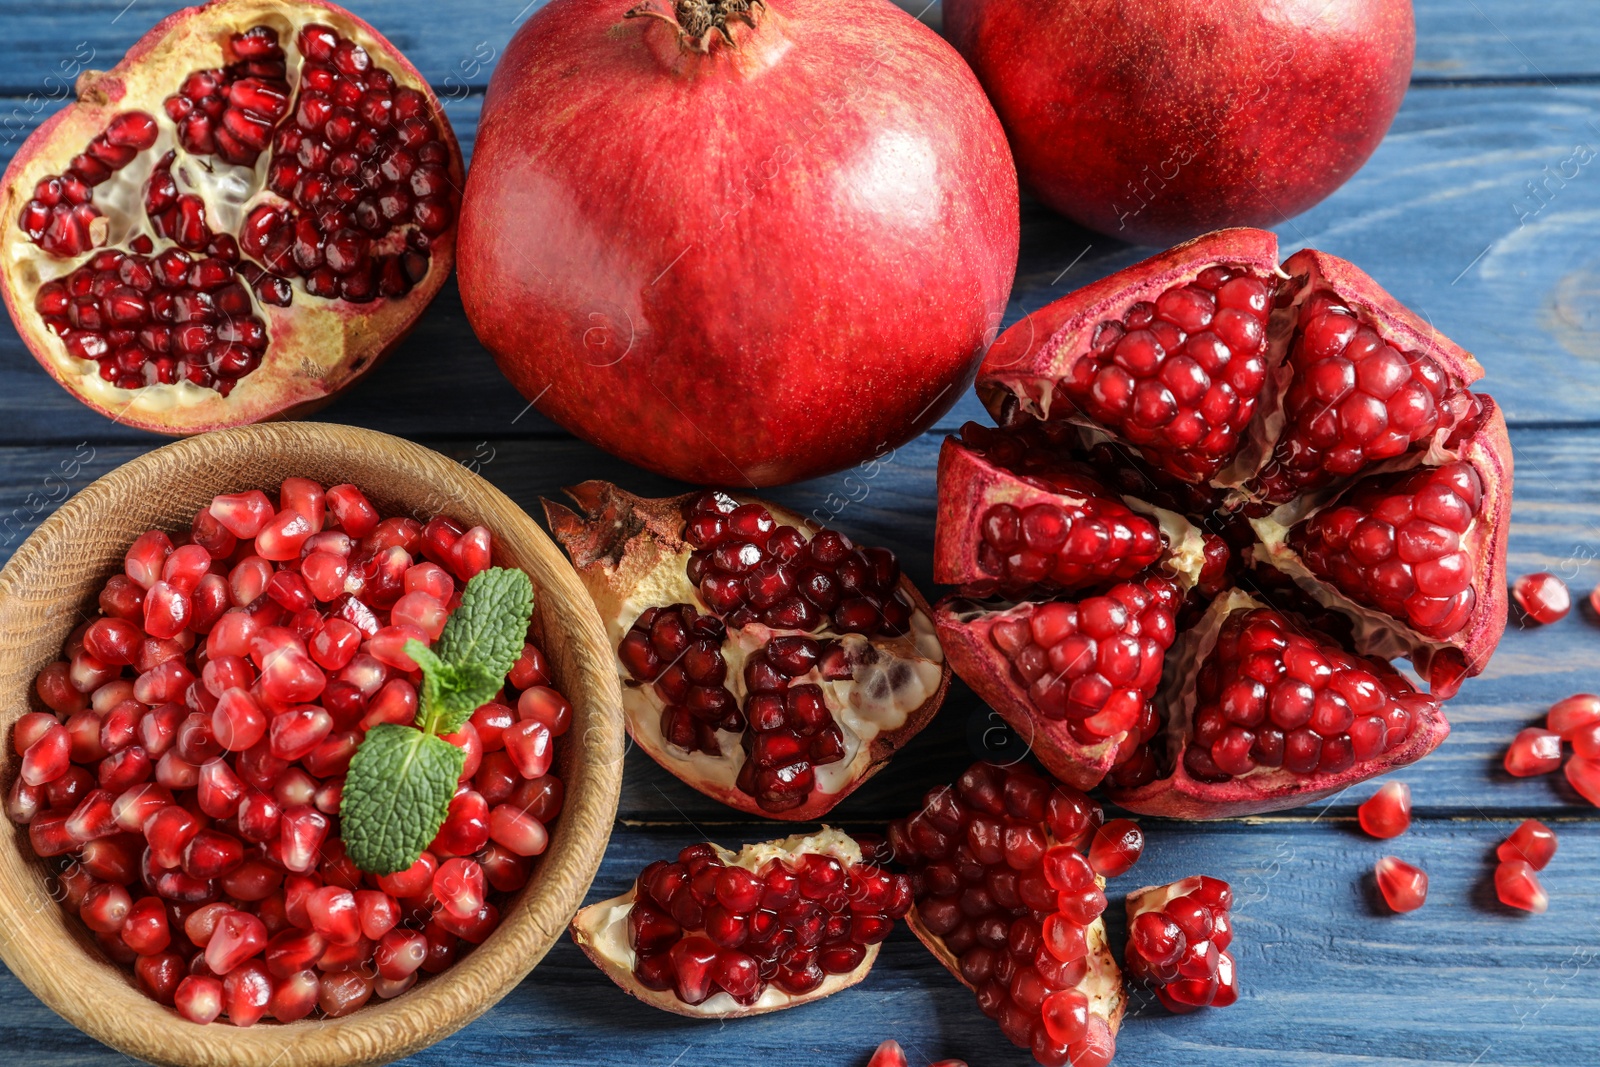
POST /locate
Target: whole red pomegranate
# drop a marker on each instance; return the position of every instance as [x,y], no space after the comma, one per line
[1154,121]
[736,242]
[235,222]
[1223,495]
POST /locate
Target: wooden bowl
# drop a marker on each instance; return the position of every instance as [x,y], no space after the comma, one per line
[53,582]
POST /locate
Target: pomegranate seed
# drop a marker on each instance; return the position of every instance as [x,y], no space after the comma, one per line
[343,993]
[1517,886]
[1584,776]
[105,908]
[247,993]
[1568,716]
[237,936]
[517,830]
[158,975]
[242,514]
[301,834]
[199,999]
[145,928]
[529,744]
[1403,886]
[1116,847]
[295,996]
[354,513]
[237,721]
[1387,813]
[1532,841]
[1533,751]
[400,953]
[1542,596]
[459,886]
[414,881]
[47,758]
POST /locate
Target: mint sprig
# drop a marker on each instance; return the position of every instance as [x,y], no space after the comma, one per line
[398,789]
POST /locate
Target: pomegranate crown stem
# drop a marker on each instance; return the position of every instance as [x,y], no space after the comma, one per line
[699,22]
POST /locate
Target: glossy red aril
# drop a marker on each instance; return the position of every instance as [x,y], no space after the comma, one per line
[1308,457]
[719,934]
[829,644]
[790,392]
[1403,886]
[1572,714]
[1533,751]
[1116,847]
[1542,596]
[194,221]
[1532,841]
[1583,774]
[890,1054]
[1517,886]
[1387,812]
[197,825]
[1178,938]
[1010,907]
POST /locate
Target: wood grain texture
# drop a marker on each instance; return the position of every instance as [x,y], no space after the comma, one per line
[53,579]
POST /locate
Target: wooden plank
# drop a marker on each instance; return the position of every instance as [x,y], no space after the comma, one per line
[1456,39]
[1554,528]
[1326,977]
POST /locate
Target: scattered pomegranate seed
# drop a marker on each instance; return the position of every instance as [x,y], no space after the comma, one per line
[1573,713]
[192,791]
[1517,886]
[1532,841]
[1542,597]
[890,1054]
[1387,813]
[1533,751]
[1178,936]
[1116,847]
[1584,775]
[1403,886]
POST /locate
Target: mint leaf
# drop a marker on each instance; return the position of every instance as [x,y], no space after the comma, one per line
[491,625]
[451,692]
[396,796]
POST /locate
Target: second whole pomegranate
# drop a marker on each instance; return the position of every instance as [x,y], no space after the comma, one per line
[737,243]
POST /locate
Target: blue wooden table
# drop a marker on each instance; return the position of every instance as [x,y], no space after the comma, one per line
[1481,211]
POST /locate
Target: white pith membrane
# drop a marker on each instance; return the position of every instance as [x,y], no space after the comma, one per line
[1102,980]
[333,340]
[1156,897]
[886,687]
[601,930]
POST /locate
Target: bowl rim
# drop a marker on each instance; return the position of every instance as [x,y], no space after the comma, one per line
[57,958]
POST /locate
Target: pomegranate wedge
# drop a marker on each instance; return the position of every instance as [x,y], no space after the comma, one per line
[1323,486]
[769,663]
[721,934]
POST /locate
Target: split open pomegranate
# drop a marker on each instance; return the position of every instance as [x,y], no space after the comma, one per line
[185,773]
[235,222]
[1222,497]
[768,662]
[1007,902]
[722,934]
[1178,937]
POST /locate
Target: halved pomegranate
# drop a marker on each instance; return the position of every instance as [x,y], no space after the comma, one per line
[723,934]
[1007,902]
[768,662]
[1327,495]
[235,222]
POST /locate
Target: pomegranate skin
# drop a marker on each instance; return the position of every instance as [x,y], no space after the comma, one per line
[1153,122]
[725,267]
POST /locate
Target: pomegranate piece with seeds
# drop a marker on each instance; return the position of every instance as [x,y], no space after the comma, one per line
[1178,937]
[1010,906]
[1403,886]
[191,799]
[261,216]
[1542,597]
[1353,488]
[1517,886]
[1532,841]
[1533,751]
[722,934]
[1386,813]
[769,663]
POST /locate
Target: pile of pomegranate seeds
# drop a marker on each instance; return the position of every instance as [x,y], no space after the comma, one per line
[1386,813]
[1395,543]
[360,165]
[1574,720]
[1178,937]
[1542,596]
[702,925]
[1180,377]
[1529,849]
[188,773]
[1095,663]
[1404,887]
[1353,401]
[890,1054]
[1000,885]
[1271,696]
